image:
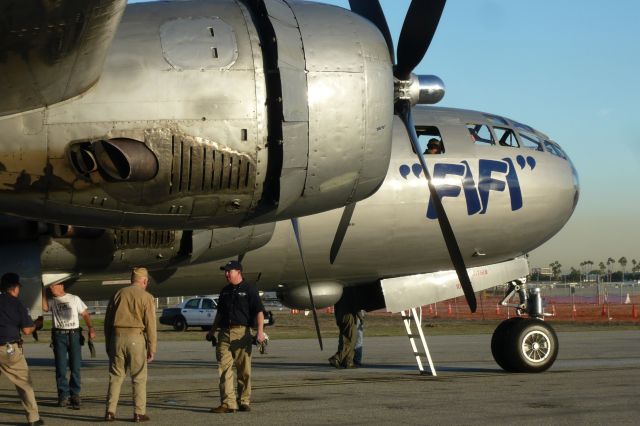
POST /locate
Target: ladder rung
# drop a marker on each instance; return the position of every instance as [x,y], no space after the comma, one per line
[419,353]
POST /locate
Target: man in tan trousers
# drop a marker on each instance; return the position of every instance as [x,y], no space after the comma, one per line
[14,319]
[239,309]
[131,340]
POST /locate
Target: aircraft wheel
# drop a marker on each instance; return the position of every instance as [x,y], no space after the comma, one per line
[524,345]
[535,346]
[499,342]
[180,324]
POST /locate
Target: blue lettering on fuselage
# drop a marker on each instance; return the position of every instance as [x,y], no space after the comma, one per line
[493,175]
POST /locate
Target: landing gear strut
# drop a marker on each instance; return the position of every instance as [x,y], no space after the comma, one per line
[524,345]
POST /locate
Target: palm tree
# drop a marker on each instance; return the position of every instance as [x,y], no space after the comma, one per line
[623,263]
[602,268]
[635,265]
[556,268]
[610,261]
[573,273]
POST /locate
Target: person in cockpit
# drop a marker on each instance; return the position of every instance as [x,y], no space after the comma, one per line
[434,146]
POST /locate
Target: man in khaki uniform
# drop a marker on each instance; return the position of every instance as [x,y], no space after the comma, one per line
[14,318]
[131,340]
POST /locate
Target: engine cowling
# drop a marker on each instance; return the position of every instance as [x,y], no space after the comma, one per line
[209,113]
[325,294]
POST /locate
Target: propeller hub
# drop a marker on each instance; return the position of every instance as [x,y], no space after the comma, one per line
[420,89]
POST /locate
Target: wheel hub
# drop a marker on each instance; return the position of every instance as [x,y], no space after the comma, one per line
[536,346]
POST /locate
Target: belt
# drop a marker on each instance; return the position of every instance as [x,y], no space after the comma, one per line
[65,330]
[128,330]
[237,326]
[15,342]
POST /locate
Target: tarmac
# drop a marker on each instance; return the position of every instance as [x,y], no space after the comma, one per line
[595,380]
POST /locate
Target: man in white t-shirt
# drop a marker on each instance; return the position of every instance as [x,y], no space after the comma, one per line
[66,310]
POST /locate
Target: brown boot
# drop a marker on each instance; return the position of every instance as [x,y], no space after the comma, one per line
[334,362]
[139,418]
[223,408]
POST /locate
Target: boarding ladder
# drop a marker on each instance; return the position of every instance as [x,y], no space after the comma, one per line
[413,319]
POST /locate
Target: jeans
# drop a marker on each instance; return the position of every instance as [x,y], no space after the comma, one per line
[67,351]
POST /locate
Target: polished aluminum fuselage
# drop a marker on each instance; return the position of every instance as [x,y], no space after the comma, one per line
[243,118]
[390,234]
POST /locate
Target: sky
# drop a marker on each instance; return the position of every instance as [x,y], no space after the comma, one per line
[570,69]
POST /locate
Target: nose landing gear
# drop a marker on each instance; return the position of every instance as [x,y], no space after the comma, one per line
[524,344]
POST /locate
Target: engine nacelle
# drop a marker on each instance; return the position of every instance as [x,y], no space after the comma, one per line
[114,251]
[325,294]
[210,113]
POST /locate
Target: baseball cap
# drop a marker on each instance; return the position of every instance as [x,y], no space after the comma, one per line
[9,280]
[232,264]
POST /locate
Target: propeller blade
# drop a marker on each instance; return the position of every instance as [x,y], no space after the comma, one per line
[371,10]
[417,32]
[296,231]
[404,111]
[341,231]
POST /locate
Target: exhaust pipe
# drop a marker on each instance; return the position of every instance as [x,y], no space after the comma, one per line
[125,160]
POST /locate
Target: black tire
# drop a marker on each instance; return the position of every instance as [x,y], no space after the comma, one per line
[180,324]
[531,346]
[499,342]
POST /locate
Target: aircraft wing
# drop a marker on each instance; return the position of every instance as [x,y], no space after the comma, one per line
[51,51]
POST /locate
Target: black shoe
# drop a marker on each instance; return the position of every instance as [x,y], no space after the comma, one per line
[63,402]
[75,402]
[139,418]
[109,417]
[37,422]
[244,407]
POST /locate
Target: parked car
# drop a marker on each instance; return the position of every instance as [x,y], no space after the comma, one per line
[194,312]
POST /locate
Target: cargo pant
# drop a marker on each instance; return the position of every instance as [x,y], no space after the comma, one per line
[128,351]
[15,367]
[346,322]
[234,348]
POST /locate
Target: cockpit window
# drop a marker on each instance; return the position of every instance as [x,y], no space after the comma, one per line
[554,149]
[506,137]
[430,140]
[480,134]
[520,126]
[531,141]
[495,120]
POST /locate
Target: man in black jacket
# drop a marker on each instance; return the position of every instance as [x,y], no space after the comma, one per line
[14,318]
[239,308]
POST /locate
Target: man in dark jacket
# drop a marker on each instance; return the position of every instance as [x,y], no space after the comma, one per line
[239,308]
[14,318]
